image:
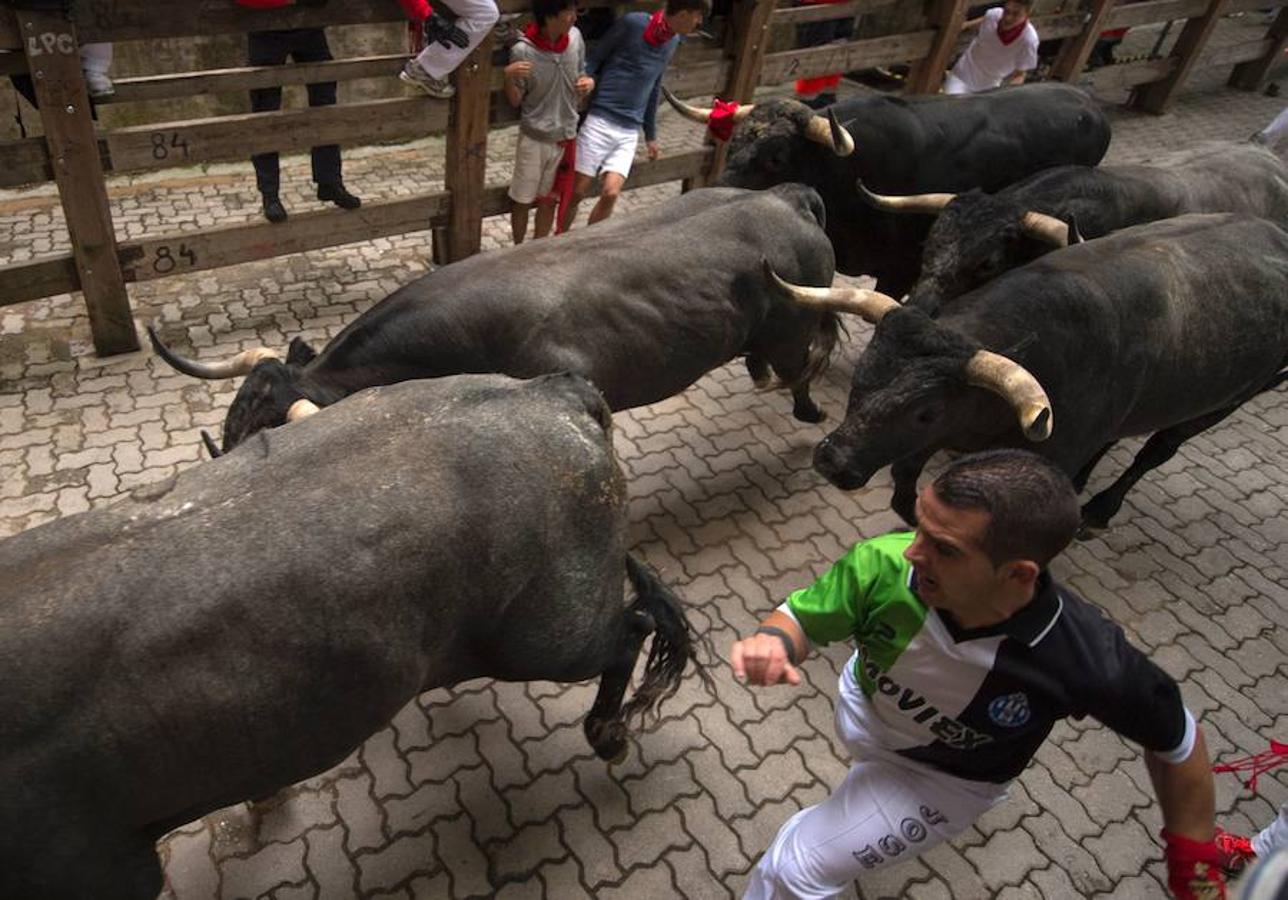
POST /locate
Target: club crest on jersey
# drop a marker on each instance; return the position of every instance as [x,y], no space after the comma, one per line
[1010,710]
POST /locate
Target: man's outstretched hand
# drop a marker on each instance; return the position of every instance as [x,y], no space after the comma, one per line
[762,659]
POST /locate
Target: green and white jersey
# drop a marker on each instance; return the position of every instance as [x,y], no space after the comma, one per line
[978,703]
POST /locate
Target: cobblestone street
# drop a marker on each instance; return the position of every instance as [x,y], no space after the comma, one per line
[490,789]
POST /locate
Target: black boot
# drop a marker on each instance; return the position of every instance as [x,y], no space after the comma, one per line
[274,211]
[338,195]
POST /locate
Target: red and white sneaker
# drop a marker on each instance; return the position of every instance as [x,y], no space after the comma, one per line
[1236,851]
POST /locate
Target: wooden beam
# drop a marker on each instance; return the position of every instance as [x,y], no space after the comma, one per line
[465,168]
[750,37]
[894,48]
[1058,25]
[1072,58]
[1156,11]
[53,55]
[246,78]
[1251,75]
[799,15]
[947,16]
[168,144]
[1157,97]
[24,161]
[188,251]
[1122,76]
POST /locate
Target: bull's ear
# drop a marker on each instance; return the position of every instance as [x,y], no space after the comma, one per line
[299,353]
[1075,236]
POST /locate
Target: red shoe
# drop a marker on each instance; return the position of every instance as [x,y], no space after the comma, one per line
[1236,851]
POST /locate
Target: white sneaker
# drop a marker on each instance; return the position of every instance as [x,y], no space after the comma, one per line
[412,73]
[99,84]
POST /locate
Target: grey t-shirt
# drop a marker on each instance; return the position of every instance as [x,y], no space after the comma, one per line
[549,110]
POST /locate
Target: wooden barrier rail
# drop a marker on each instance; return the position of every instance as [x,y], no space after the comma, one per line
[76,155]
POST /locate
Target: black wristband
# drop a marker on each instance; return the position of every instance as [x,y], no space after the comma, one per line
[788,644]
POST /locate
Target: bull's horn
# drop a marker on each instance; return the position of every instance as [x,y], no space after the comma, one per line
[1013,382]
[912,203]
[301,409]
[702,114]
[830,133]
[239,365]
[1046,228]
[211,447]
[871,305]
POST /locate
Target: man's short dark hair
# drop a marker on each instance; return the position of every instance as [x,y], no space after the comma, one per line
[1032,506]
[675,6]
[548,9]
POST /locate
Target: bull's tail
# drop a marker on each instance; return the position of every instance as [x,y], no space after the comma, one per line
[821,349]
[674,643]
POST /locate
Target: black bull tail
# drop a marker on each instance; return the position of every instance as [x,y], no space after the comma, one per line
[658,611]
[821,349]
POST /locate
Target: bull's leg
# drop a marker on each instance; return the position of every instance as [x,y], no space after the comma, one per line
[605,726]
[758,369]
[1161,447]
[655,610]
[1084,474]
[905,473]
[803,406]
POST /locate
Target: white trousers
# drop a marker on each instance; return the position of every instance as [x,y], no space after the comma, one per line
[96,58]
[887,810]
[476,18]
[1273,836]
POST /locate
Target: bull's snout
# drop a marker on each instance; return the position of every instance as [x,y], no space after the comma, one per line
[837,465]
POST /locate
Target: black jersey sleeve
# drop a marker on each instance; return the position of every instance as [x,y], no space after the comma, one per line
[1124,689]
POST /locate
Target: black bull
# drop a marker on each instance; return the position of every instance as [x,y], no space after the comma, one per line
[249,623]
[1161,329]
[978,236]
[642,305]
[907,145]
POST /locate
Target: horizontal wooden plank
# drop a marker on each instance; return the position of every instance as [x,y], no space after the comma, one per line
[1058,26]
[806,63]
[1233,54]
[1155,11]
[24,161]
[826,12]
[12,63]
[1127,75]
[45,277]
[1237,6]
[245,78]
[169,144]
[195,251]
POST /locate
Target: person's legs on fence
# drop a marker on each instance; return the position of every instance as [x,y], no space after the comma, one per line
[310,46]
[430,69]
[267,48]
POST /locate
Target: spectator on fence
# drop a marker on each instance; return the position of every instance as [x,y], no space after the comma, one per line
[1004,51]
[628,65]
[273,48]
[449,37]
[967,653]
[819,91]
[546,79]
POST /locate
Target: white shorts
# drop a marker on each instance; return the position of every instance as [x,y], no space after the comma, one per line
[603,146]
[954,85]
[887,810]
[535,165]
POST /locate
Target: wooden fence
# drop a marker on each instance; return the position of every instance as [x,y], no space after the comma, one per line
[77,155]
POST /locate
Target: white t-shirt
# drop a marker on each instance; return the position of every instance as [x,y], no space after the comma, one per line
[987,60]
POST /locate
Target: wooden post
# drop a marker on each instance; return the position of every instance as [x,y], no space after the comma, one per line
[1072,58]
[750,36]
[927,75]
[1250,75]
[53,57]
[465,174]
[1158,97]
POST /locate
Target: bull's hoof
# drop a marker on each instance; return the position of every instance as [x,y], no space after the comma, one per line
[811,414]
[1089,530]
[607,739]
